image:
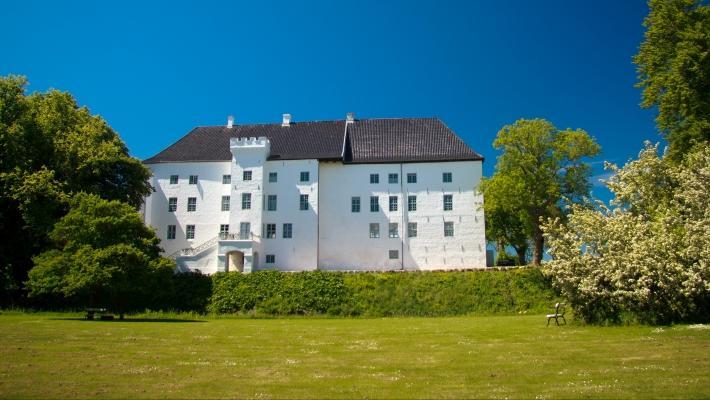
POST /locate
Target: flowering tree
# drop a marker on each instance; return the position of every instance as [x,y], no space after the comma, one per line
[648,253]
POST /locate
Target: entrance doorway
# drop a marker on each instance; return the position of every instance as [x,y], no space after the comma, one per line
[235,261]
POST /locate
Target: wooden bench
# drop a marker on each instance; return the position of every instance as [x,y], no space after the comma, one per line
[102,312]
[559,313]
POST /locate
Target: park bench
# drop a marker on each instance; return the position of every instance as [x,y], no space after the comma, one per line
[102,312]
[559,313]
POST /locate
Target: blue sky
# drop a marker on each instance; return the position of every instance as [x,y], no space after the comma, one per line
[154,70]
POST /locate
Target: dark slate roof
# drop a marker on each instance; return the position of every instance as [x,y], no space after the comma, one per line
[367,141]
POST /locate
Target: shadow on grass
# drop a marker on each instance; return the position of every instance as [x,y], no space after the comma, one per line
[127,320]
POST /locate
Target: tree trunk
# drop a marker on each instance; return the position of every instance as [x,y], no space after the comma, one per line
[539,246]
[522,255]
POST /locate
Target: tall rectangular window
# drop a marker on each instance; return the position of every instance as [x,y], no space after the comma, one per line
[305,176]
[270,258]
[412,229]
[374,178]
[191,204]
[374,204]
[270,231]
[446,177]
[246,175]
[448,202]
[394,230]
[171,231]
[393,178]
[246,201]
[193,180]
[394,254]
[412,203]
[355,204]
[273,177]
[226,179]
[448,229]
[173,179]
[393,203]
[244,230]
[287,231]
[225,203]
[374,231]
[224,231]
[271,203]
[411,178]
[172,204]
[304,202]
[190,232]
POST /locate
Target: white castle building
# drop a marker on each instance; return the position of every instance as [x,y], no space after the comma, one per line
[374,194]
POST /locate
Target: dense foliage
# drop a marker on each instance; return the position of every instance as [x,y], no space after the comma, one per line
[649,252]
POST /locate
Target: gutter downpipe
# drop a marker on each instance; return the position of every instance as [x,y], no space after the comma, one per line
[404,202]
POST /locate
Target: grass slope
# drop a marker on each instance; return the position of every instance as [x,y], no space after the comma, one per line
[52,355]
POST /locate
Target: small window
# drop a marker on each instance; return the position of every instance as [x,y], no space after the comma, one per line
[411,178]
[172,204]
[246,175]
[374,231]
[224,231]
[287,231]
[374,204]
[305,176]
[447,178]
[448,229]
[374,178]
[191,204]
[448,202]
[271,203]
[393,178]
[412,203]
[173,181]
[412,229]
[394,254]
[394,230]
[193,179]
[393,203]
[355,204]
[246,201]
[270,258]
[171,231]
[190,232]
[273,177]
[225,203]
[226,179]
[270,231]
[244,230]
[304,202]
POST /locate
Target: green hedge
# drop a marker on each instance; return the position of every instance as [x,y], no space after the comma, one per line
[382,293]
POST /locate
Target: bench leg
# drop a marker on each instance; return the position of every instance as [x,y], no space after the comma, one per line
[563,319]
[557,321]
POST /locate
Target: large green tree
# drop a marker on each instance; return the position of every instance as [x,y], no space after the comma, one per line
[673,65]
[50,148]
[539,169]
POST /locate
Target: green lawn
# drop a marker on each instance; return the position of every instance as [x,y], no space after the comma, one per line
[52,355]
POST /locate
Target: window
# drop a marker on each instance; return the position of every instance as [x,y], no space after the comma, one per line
[287,231]
[190,232]
[273,177]
[412,229]
[393,203]
[412,203]
[374,231]
[394,230]
[246,175]
[447,177]
[193,179]
[171,231]
[270,231]
[305,176]
[244,230]
[226,179]
[172,204]
[225,203]
[394,254]
[246,201]
[374,204]
[374,178]
[270,258]
[448,202]
[191,204]
[411,178]
[393,178]
[271,203]
[355,204]
[173,179]
[448,229]
[304,202]
[223,231]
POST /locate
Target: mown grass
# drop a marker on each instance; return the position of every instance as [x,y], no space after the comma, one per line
[60,355]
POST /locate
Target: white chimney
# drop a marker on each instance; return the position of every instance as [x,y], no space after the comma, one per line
[286,120]
[350,118]
[230,121]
